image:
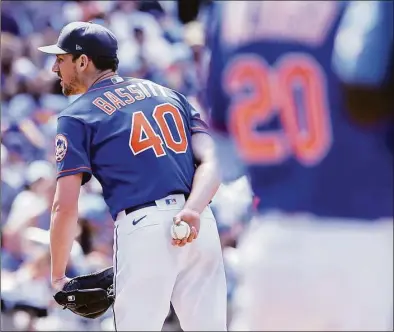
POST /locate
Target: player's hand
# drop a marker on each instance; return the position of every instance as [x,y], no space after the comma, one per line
[57,284]
[192,218]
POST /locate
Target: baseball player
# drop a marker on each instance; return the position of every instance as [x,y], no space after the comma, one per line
[151,153]
[318,257]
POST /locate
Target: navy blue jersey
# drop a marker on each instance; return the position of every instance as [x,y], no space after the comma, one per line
[134,136]
[272,89]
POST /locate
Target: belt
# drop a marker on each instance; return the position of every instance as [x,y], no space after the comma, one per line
[152,203]
[137,207]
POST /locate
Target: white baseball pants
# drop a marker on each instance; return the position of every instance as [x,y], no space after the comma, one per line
[150,272]
[303,274]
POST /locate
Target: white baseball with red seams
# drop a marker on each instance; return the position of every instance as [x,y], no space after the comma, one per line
[180,231]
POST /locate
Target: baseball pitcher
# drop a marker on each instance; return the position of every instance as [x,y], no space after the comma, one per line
[153,156]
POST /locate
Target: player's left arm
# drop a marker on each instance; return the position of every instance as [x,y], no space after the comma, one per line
[206,179]
[205,184]
[73,165]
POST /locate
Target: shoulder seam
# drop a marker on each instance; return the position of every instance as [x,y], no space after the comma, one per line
[72,117]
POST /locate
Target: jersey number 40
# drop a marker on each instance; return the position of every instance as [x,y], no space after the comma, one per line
[144,137]
[261,92]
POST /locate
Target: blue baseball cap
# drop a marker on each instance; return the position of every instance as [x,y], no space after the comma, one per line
[84,38]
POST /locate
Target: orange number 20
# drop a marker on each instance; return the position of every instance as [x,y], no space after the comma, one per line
[144,137]
[271,93]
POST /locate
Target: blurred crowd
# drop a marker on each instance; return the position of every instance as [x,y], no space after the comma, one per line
[153,44]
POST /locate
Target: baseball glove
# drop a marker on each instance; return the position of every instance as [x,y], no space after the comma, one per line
[90,295]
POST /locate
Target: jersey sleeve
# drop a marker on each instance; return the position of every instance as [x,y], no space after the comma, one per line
[364,43]
[197,124]
[72,148]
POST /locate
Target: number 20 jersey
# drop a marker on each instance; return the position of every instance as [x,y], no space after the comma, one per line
[134,136]
[272,88]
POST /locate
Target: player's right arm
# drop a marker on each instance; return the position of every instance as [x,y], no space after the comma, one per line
[73,166]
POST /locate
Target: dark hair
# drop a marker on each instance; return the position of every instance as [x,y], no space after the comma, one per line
[101,62]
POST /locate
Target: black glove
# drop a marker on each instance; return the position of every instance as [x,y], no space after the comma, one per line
[88,296]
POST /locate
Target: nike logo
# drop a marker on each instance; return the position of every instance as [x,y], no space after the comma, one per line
[135,222]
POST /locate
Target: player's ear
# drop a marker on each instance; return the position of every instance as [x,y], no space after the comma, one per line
[83,62]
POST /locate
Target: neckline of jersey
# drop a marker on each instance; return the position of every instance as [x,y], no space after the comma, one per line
[100,84]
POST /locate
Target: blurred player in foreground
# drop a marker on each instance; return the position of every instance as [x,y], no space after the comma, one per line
[151,153]
[319,256]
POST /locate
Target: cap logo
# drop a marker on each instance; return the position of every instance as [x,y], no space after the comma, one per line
[78,48]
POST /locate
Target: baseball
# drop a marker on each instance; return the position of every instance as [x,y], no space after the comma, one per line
[180,231]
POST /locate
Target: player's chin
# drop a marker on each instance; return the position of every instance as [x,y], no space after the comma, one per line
[67,91]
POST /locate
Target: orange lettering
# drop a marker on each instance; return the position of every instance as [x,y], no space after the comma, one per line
[140,126]
[151,87]
[104,105]
[159,113]
[122,94]
[114,99]
[132,88]
[247,113]
[144,90]
[143,136]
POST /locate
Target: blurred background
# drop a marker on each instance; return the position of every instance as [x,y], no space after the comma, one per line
[163,41]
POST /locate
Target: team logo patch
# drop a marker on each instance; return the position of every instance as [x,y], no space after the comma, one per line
[61,147]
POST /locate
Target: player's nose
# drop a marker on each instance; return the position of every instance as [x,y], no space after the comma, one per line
[55,67]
